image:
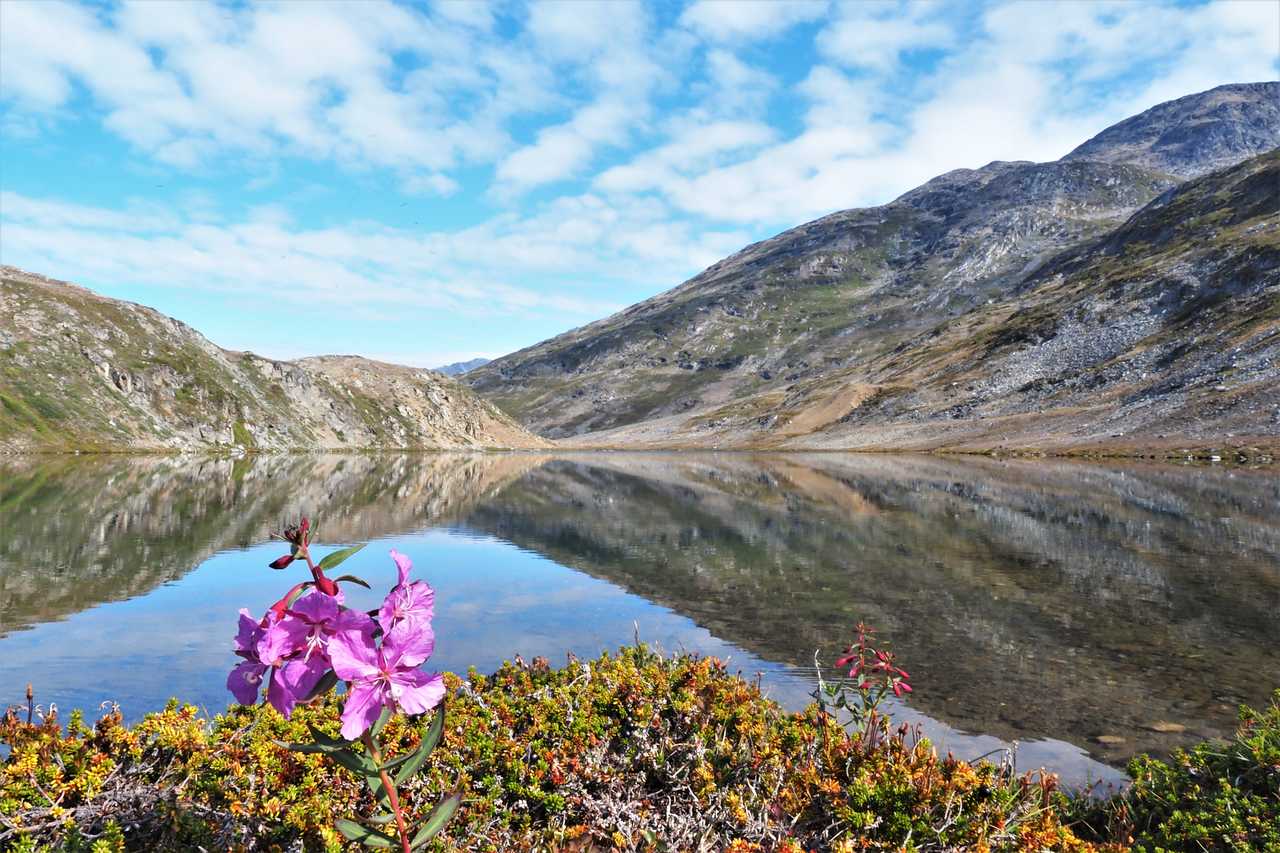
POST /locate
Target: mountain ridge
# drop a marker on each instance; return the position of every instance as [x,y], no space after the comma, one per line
[79,370]
[841,292]
[458,368]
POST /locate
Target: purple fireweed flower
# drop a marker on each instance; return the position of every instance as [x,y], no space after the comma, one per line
[268,649]
[408,600]
[246,678]
[385,677]
[312,620]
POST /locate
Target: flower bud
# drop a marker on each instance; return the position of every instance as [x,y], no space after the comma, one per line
[281,562]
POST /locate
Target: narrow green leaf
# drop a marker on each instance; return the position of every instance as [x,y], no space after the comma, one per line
[363,834]
[353,579]
[355,763]
[381,819]
[296,594]
[331,560]
[439,817]
[429,741]
[326,683]
[397,761]
[320,737]
[381,721]
[376,788]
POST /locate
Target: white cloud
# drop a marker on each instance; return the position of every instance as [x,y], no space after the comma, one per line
[187,82]
[876,34]
[675,142]
[745,20]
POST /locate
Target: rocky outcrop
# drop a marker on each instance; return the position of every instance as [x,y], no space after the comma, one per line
[1194,135]
[816,336]
[80,371]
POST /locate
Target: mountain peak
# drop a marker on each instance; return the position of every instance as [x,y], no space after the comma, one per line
[1196,134]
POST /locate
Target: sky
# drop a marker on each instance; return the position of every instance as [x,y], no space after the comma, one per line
[424,183]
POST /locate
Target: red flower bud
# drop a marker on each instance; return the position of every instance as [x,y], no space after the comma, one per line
[281,562]
[323,583]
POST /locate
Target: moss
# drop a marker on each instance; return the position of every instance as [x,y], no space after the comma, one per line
[240,435]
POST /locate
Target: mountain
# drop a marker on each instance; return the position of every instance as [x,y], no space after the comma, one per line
[79,370]
[820,336]
[1193,135]
[458,368]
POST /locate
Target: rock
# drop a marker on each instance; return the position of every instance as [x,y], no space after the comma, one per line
[1110,740]
[1165,727]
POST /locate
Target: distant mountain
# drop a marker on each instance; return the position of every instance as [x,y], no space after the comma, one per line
[828,334]
[460,367]
[81,371]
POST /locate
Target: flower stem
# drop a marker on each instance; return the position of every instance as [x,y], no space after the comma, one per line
[390,789]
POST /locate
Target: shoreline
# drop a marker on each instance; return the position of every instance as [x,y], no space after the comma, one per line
[629,751]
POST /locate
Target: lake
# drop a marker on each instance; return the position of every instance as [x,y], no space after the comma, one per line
[1078,613]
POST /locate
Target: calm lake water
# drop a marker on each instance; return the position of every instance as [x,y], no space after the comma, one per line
[1046,604]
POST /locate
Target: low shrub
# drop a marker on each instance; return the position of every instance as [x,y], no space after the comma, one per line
[631,751]
[1214,796]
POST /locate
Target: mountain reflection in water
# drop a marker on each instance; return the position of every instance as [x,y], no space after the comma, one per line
[1045,602]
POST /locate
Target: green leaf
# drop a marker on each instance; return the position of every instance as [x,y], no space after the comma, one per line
[320,737]
[355,763]
[353,579]
[331,560]
[296,594]
[381,721]
[397,761]
[376,788]
[366,836]
[381,819]
[439,817]
[326,683]
[429,741]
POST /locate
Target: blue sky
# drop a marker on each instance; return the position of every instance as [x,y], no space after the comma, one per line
[426,183]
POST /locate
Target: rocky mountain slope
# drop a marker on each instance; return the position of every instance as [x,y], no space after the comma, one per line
[81,371]
[458,368]
[806,338]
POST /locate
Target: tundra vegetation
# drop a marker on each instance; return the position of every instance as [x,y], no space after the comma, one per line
[631,751]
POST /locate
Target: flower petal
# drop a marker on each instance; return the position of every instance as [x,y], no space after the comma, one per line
[415,691]
[298,678]
[415,600]
[408,644]
[353,655]
[403,566]
[247,635]
[362,708]
[282,639]
[245,681]
[316,607]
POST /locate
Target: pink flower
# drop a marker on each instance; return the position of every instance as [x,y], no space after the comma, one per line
[246,678]
[408,600]
[308,625]
[267,651]
[385,677]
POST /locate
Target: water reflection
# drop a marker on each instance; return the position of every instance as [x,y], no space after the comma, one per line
[1046,602]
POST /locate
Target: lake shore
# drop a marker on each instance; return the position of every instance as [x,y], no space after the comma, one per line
[630,751]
